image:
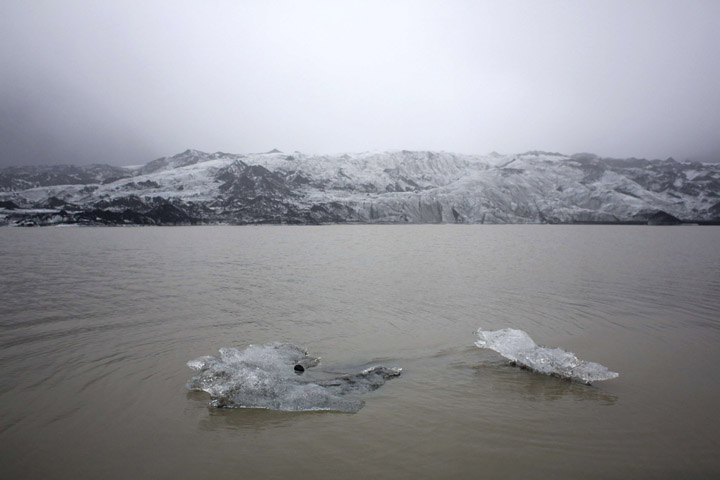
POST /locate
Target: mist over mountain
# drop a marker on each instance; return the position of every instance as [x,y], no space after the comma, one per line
[195,187]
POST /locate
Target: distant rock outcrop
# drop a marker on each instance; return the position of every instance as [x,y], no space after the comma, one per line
[663,218]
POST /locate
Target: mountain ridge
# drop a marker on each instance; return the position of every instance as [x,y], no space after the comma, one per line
[194,187]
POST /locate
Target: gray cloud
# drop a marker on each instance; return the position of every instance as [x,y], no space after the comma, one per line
[125,82]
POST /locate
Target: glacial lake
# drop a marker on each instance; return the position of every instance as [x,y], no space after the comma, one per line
[97,326]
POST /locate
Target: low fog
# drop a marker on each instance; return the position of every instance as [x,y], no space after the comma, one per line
[126,82]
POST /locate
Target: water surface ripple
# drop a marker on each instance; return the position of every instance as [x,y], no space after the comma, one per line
[97,324]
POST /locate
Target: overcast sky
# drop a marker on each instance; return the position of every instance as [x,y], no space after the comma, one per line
[123,82]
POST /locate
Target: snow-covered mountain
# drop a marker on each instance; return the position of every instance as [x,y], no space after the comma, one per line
[194,187]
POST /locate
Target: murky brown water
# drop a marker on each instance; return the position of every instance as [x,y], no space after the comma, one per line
[97,325]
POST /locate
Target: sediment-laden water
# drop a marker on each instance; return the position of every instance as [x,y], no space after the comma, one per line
[97,326]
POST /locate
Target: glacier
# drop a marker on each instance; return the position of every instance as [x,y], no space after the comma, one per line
[517,346]
[276,376]
[195,187]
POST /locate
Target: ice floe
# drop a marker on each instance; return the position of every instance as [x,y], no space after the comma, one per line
[520,349]
[273,376]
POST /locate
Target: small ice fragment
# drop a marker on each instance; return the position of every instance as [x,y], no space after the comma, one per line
[519,348]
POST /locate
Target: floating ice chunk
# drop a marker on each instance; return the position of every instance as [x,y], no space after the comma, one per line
[520,349]
[272,376]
